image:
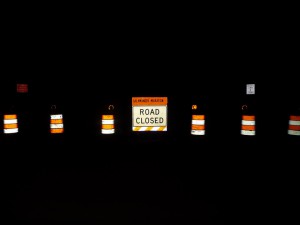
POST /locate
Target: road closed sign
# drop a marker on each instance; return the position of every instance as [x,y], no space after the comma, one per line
[149,113]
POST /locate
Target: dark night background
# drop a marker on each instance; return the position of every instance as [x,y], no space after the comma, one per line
[84,177]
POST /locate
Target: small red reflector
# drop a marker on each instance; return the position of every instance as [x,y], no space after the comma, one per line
[22,88]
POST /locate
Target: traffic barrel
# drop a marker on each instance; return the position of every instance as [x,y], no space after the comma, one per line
[198,125]
[10,124]
[108,124]
[247,124]
[294,125]
[56,122]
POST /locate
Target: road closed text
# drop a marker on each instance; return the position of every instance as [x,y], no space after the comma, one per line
[149,120]
[150,116]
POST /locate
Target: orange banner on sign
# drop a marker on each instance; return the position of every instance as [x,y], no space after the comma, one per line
[149,101]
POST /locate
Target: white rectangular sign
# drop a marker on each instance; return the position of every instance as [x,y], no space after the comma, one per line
[250,89]
[149,116]
[149,113]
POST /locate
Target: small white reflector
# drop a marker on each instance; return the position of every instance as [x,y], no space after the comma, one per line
[250,89]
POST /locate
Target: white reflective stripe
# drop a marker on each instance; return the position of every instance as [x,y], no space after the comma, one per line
[294,122]
[12,121]
[248,122]
[294,132]
[142,128]
[198,122]
[11,131]
[107,121]
[198,132]
[60,125]
[108,131]
[156,129]
[57,116]
[248,132]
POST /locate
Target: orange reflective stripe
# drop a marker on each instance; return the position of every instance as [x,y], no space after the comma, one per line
[248,117]
[55,131]
[248,127]
[148,128]
[198,127]
[108,126]
[198,117]
[295,118]
[107,117]
[161,128]
[13,116]
[136,101]
[136,129]
[9,126]
[56,121]
[294,127]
